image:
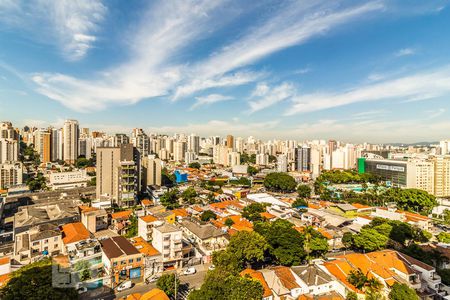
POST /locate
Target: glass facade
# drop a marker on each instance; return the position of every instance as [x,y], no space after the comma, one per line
[391,172]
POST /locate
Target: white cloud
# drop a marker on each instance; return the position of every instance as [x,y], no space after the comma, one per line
[420,86]
[154,68]
[435,113]
[264,96]
[210,99]
[70,24]
[405,52]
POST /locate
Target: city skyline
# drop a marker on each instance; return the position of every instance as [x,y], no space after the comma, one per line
[370,71]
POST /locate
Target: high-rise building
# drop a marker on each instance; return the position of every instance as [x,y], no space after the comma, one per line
[10,174]
[303,159]
[179,150]
[141,141]
[234,159]
[9,150]
[194,144]
[56,144]
[151,171]
[230,142]
[71,135]
[7,131]
[441,176]
[42,145]
[282,163]
[121,138]
[262,159]
[117,174]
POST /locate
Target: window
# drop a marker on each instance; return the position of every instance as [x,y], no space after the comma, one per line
[130,261]
[35,243]
[138,259]
[55,239]
[123,262]
[115,264]
[46,241]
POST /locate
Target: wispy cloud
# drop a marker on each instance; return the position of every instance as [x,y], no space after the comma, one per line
[405,52]
[265,96]
[420,86]
[70,24]
[210,99]
[155,67]
[435,112]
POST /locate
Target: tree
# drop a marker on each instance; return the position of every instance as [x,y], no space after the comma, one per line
[347,239]
[446,216]
[445,276]
[83,269]
[195,165]
[34,281]
[168,283]
[229,222]
[170,199]
[37,183]
[411,199]
[371,286]
[401,291]
[299,202]
[304,191]
[227,261]
[132,229]
[189,195]
[253,211]
[444,237]
[249,246]
[370,240]
[167,179]
[208,215]
[351,296]
[280,182]
[252,170]
[220,285]
[286,243]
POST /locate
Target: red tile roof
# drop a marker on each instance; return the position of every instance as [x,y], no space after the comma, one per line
[74,232]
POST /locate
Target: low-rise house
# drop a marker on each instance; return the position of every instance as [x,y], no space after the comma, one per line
[257,275]
[122,261]
[93,218]
[166,216]
[388,267]
[154,294]
[319,281]
[145,226]
[207,237]
[414,219]
[68,180]
[284,283]
[37,242]
[120,221]
[152,257]
[167,239]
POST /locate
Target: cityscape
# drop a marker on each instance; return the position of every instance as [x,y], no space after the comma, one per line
[224,150]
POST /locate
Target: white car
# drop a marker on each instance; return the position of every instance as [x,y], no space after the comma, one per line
[125,285]
[212,267]
[153,278]
[190,271]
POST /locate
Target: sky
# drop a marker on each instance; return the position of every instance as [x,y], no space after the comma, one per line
[357,71]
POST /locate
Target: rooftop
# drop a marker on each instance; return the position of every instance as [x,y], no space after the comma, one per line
[74,232]
[204,231]
[117,246]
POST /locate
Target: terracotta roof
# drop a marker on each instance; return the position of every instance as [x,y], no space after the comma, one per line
[325,233]
[122,214]
[197,208]
[135,296]
[144,247]
[4,279]
[148,219]
[258,276]
[5,260]
[74,232]
[286,277]
[85,208]
[155,294]
[180,212]
[225,204]
[146,202]
[360,206]
[267,215]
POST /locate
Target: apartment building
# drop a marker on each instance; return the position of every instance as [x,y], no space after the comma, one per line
[68,180]
[94,219]
[145,226]
[11,174]
[71,136]
[36,242]
[167,239]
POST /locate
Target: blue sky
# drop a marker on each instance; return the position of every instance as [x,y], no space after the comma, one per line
[375,71]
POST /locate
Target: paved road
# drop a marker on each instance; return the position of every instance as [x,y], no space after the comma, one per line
[193,281]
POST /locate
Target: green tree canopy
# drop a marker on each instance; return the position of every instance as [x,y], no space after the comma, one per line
[189,195]
[411,199]
[304,191]
[280,182]
[170,199]
[370,240]
[299,202]
[208,215]
[167,283]
[253,211]
[248,246]
[195,165]
[286,243]
[229,222]
[347,239]
[444,237]
[34,281]
[402,292]
[252,170]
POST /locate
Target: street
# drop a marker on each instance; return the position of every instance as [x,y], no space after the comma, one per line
[192,281]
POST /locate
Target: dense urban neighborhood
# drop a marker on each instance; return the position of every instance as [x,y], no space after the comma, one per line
[90,215]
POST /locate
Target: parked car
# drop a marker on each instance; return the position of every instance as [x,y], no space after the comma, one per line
[125,285]
[153,278]
[190,271]
[212,267]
